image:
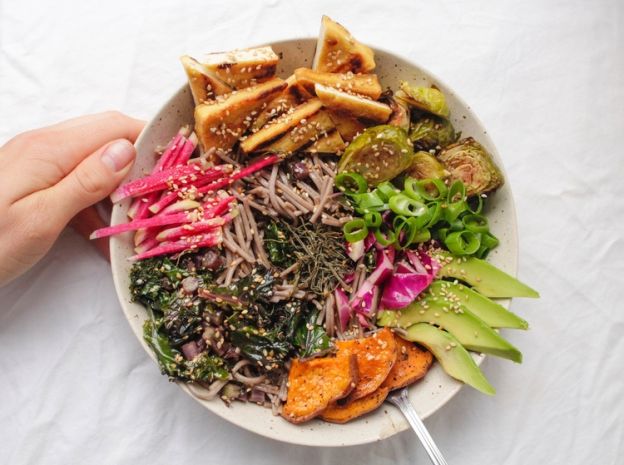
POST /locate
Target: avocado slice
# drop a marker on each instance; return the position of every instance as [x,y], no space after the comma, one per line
[493,314]
[469,330]
[482,276]
[454,358]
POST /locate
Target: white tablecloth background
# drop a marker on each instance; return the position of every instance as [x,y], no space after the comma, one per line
[547,79]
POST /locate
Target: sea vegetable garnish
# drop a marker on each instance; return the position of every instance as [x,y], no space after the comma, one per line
[319,251]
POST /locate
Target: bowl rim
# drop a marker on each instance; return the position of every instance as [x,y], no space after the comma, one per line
[511,269]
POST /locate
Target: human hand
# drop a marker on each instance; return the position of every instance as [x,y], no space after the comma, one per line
[51,174]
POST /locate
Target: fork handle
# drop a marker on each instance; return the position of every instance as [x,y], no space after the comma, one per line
[406,407]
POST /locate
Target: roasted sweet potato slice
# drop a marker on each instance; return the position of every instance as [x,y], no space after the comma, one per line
[314,128]
[242,68]
[376,355]
[314,384]
[347,125]
[281,125]
[337,51]
[204,84]
[412,363]
[342,413]
[356,105]
[219,124]
[364,84]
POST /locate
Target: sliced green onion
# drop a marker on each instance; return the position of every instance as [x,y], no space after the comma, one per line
[423,220]
[398,221]
[385,239]
[456,225]
[457,192]
[483,252]
[489,240]
[428,189]
[475,223]
[410,189]
[386,190]
[463,242]
[351,183]
[477,201]
[453,210]
[435,209]
[369,201]
[404,230]
[442,233]
[403,205]
[355,230]
[372,219]
[422,236]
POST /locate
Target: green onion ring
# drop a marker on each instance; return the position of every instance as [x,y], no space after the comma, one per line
[372,219]
[402,224]
[475,223]
[351,183]
[386,190]
[457,192]
[435,208]
[403,205]
[478,208]
[410,189]
[482,253]
[442,233]
[456,225]
[385,239]
[422,236]
[355,230]
[489,240]
[453,210]
[462,242]
[369,201]
[422,189]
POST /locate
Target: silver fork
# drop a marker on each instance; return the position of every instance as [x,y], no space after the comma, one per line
[399,399]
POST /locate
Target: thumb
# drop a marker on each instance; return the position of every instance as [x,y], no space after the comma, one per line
[92,180]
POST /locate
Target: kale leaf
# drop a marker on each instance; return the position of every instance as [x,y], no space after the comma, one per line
[278,331]
[278,246]
[267,348]
[310,338]
[204,367]
[154,282]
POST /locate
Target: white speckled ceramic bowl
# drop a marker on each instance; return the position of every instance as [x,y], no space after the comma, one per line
[429,394]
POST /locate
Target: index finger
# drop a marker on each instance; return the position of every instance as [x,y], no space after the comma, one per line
[38,159]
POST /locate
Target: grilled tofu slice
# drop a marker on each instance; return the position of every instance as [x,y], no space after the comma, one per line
[365,84]
[331,143]
[281,125]
[292,96]
[204,84]
[314,128]
[347,125]
[337,51]
[219,124]
[242,68]
[356,105]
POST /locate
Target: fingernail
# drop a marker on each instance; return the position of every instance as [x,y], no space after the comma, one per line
[118,154]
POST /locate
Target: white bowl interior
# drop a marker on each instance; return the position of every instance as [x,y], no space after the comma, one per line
[429,394]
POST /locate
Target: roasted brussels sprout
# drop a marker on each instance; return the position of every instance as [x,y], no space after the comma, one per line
[426,166]
[470,163]
[379,154]
[400,115]
[431,132]
[428,99]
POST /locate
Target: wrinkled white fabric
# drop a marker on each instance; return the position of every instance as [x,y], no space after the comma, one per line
[546,78]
